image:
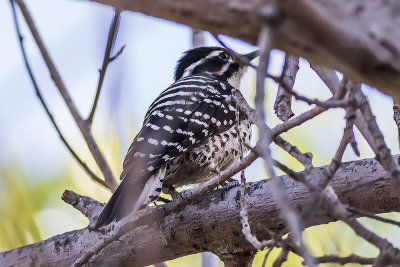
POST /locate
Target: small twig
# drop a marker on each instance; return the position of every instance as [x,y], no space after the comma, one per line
[242,104]
[372,216]
[299,177]
[296,121]
[244,218]
[276,240]
[303,158]
[344,260]
[380,148]
[340,212]
[348,138]
[110,181]
[112,35]
[283,101]
[333,83]
[43,102]
[282,256]
[266,38]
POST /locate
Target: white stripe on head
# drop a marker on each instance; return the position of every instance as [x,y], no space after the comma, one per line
[190,69]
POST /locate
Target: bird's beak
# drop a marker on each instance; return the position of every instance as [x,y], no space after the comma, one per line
[252,55]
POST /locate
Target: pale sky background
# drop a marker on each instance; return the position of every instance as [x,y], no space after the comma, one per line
[75,33]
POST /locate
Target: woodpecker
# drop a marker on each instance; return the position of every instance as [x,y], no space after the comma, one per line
[188,133]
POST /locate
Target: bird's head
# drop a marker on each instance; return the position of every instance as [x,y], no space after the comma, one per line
[217,61]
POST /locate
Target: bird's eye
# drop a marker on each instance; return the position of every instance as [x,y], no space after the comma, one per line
[223,56]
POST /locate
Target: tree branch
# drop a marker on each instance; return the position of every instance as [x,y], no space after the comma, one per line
[362,183]
[336,34]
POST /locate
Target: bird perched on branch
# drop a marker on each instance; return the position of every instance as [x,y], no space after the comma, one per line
[188,134]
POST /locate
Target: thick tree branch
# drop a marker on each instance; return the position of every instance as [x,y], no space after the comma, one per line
[202,226]
[336,34]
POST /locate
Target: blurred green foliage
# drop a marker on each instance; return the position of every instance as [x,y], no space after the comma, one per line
[20,201]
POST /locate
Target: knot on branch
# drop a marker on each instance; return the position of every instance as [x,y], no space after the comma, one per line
[86,205]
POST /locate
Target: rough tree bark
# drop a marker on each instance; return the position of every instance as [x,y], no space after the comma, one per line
[212,223]
[359,38]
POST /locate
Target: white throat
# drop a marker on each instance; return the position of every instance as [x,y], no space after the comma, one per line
[235,79]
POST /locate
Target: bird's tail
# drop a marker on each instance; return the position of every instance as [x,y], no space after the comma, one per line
[133,194]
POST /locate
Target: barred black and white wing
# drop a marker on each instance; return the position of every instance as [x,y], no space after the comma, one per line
[186,114]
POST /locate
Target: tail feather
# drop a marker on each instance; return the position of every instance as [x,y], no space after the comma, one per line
[130,196]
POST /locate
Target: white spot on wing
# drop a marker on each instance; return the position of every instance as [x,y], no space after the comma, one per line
[152,141]
[168,129]
[152,126]
[199,122]
[139,154]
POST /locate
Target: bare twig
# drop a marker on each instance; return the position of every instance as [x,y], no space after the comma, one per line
[296,121]
[340,212]
[277,240]
[266,38]
[344,260]
[282,257]
[112,35]
[333,83]
[244,218]
[372,216]
[348,138]
[380,148]
[303,158]
[43,102]
[294,175]
[283,101]
[110,181]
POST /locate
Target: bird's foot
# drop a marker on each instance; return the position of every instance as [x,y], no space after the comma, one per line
[172,191]
[163,199]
